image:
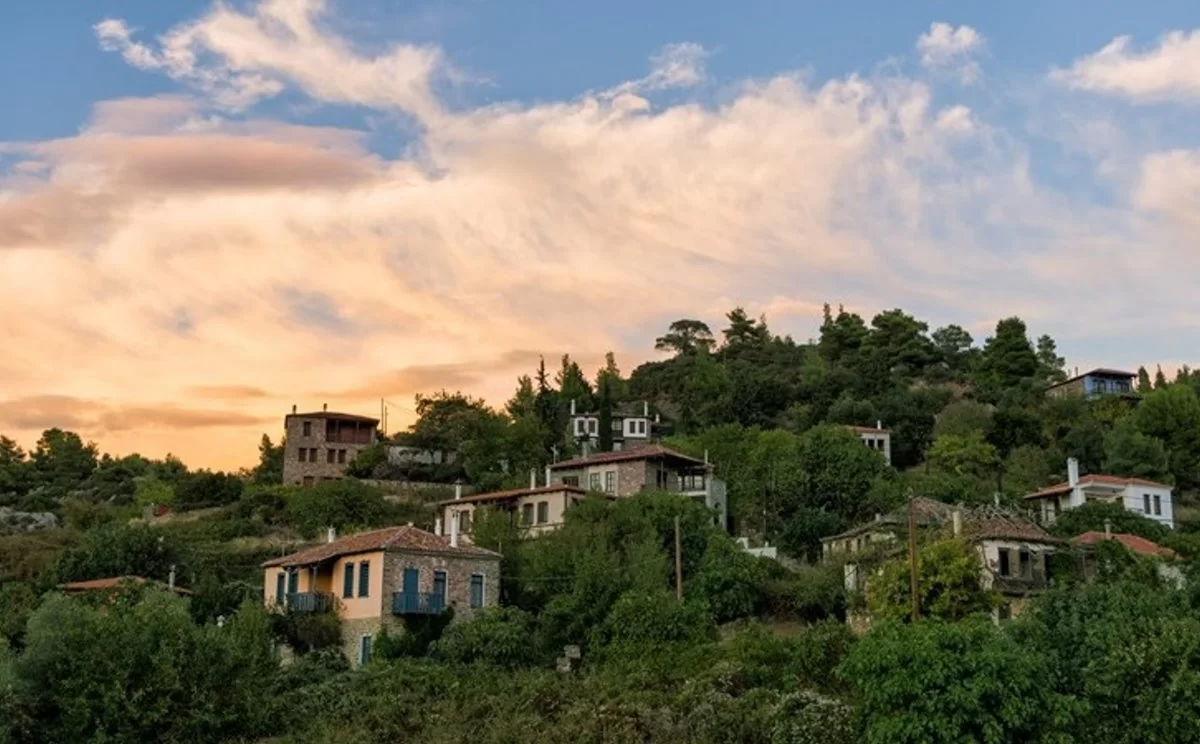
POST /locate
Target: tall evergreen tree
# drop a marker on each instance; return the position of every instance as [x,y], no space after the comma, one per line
[1160,380]
[1143,380]
[1008,359]
[1050,364]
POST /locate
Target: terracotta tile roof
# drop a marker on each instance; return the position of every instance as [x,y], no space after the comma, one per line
[996,523]
[1139,545]
[866,429]
[650,452]
[335,416]
[513,494]
[1095,479]
[111,583]
[927,512]
[391,538]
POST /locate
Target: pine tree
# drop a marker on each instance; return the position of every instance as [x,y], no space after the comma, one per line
[1160,380]
[1050,364]
[1143,380]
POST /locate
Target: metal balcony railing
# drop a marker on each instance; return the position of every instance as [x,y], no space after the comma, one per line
[310,602]
[414,603]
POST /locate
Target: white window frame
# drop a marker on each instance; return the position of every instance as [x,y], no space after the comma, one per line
[610,482]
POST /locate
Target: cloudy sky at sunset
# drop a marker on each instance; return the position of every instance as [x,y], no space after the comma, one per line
[209,212]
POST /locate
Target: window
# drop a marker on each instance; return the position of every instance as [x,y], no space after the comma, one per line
[693,483]
[594,482]
[1158,505]
[476,590]
[527,514]
[1005,569]
[464,521]
[308,480]
[543,512]
[580,427]
[610,482]
[364,578]
[571,480]
[439,587]
[312,454]
[661,480]
[280,587]
[307,428]
[1026,565]
[1057,506]
[364,650]
[303,454]
[348,581]
[1146,503]
[641,426]
[593,425]
[329,456]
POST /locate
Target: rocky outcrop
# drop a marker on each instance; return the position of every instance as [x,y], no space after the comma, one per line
[13,521]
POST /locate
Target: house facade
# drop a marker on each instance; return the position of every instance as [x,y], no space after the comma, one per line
[1095,383]
[632,427]
[374,580]
[537,509]
[321,444]
[649,468]
[1147,498]
[876,438]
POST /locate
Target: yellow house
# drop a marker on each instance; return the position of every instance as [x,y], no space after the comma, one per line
[373,580]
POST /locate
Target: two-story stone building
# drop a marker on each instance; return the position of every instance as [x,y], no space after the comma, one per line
[321,444]
[373,580]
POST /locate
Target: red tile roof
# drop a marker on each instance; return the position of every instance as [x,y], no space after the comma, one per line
[1139,545]
[866,429]
[513,494]
[650,452]
[1096,479]
[111,583]
[997,523]
[406,538]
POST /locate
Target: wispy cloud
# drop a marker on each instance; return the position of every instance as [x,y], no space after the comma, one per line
[945,46]
[1170,70]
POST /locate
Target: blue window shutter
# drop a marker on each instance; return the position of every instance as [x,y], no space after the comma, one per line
[439,588]
[348,582]
[293,582]
[364,578]
[476,590]
[280,587]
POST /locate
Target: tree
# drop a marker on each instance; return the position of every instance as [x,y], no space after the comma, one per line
[1172,414]
[16,472]
[956,348]
[203,489]
[269,470]
[121,550]
[842,335]
[496,635]
[573,385]
[1131,453]
[685,337]
[838,472]
[1095,516]
[62,462]
[1143,381]
[944,683]
[964,455]
[1160,380]
[1050,364]
[950,578]
[524,400]
[617,387]
[900,340]
[1008,359]
[962,418]
[605,439]
[342,504]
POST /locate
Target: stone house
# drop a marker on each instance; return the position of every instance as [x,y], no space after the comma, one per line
[374,580]
[319,445]
[1095,383]
[632,426]
[652,467]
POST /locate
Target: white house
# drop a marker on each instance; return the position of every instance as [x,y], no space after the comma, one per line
[877,438]
[1151,500]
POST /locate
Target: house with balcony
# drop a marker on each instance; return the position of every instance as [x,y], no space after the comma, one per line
[876,438]
[1096,383]
[652,467]
[321,444]
[538,508]
[379,579]
[1145,497]
[632,427]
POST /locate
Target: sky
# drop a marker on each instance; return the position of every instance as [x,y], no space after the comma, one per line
[211,212]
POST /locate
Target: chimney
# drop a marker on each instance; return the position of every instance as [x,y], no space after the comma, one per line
[878,516]
[572,406]
[458,490]
[657,418]
[1072,472]
[532,478]
[171,577]
[1107,529]
[646,409]
[437,526]
[293,408]
[330,535]
[324,406]
[879,424]
[996,498]
[454,529]
[705,457]
[585,448]
[957,520]
[547,475]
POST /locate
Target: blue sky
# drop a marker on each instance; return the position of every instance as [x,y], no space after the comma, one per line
[250,204]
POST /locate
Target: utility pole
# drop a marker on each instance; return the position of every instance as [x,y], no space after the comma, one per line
[912,559]
[678,563]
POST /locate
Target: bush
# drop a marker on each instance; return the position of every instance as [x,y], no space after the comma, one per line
[342,504]
[730,580]
[1090,517]
[122,550]
[204,489]
[639,620]
[501,636]
[809,593]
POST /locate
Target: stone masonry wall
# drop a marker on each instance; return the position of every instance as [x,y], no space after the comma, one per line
[295,471]
[458,578]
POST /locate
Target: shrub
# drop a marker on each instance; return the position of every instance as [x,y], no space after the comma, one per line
[645,619]
[343,504]
[502,636]
[730,580]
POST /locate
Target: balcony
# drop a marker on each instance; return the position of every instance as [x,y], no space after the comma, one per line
[412,603]
[310,602]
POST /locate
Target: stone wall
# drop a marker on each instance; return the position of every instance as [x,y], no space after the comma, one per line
[458,578]
[295,470]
